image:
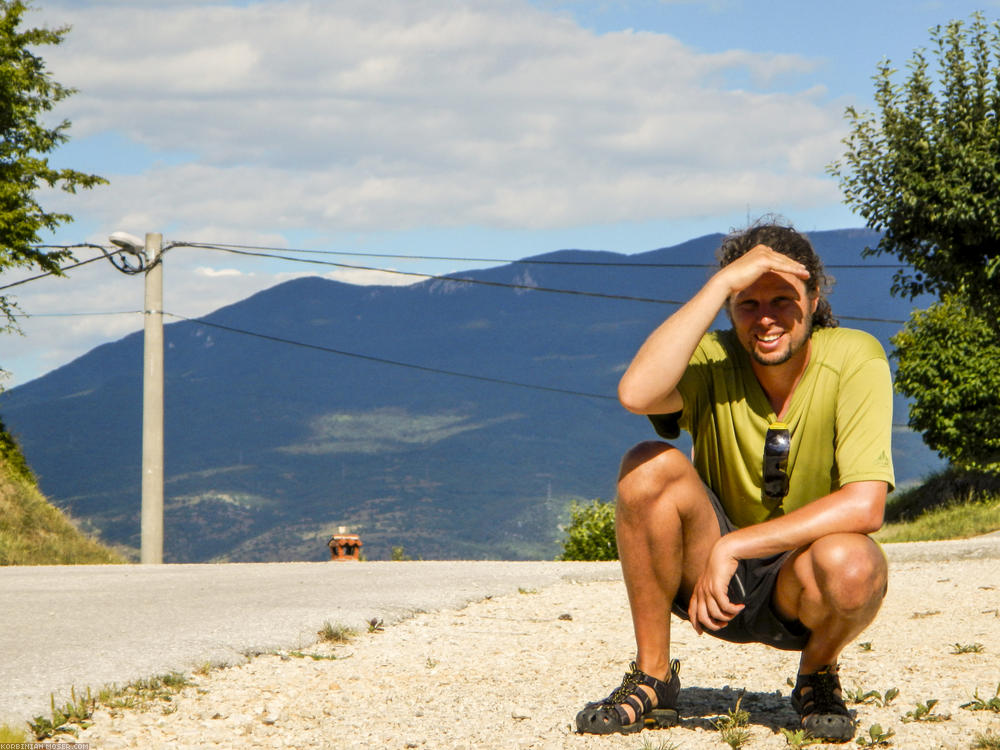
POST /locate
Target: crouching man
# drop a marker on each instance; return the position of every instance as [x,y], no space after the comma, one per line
[763,537]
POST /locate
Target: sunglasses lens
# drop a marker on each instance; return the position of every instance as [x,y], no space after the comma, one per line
[776,446]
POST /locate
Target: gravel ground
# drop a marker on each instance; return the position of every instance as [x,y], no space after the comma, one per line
[512,671]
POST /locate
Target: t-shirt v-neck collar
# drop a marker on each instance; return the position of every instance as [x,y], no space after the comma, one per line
[762,404]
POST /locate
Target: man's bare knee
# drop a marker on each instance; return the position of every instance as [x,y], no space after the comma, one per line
[850,569]
[648,471]
[653,459]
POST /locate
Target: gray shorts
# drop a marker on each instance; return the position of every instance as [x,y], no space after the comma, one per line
[753,585]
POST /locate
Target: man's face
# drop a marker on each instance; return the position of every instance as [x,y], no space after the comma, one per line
[773,318]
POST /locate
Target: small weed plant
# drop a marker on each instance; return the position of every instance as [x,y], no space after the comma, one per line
[376,625]
[990,704]
[968,648]
[865,645]
[336,633]
[314,657]
[877,737]
[872,697]
[732,726]
[648,744]
[75,715]
[925,712]
[142,694]
[986,741]
[799,738]
[69,719]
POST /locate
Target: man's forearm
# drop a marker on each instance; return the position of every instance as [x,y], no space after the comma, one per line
[650,382]
[857,507]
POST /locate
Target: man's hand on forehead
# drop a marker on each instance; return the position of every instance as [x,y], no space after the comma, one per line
[760,260]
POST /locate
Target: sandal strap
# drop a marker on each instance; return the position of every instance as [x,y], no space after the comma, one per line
[611,714]
[629,693]
[820,693]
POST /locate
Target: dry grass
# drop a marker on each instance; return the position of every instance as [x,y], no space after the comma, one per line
[33,532]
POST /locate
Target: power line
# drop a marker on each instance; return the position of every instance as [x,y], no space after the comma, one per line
[77,314]
[408,365]
[122,264]
[53,273]
[521,261]
[483,282]
[235,250]
[454,279]
[397,363]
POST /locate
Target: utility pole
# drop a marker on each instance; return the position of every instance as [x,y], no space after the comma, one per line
[152,407]
[133,257]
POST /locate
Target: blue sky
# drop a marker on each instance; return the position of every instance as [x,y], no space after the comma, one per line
[500,128]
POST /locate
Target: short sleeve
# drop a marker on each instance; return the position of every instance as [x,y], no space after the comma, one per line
[864,423]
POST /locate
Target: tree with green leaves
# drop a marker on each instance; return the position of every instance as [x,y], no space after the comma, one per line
[27,93]
[925,172]
[591,532]
[949,364]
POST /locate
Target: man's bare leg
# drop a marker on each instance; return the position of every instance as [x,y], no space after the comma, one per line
[665,528]
[835,587]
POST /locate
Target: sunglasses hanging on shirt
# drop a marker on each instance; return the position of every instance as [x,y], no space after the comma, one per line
[777,442]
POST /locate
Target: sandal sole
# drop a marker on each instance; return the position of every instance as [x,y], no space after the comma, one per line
[658,718]
[661,718]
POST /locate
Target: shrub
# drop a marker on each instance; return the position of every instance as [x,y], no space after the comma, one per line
[591,532]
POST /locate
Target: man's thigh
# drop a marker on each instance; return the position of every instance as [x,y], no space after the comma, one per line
[753,585]
[659,482]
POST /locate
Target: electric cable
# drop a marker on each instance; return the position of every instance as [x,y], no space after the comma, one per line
[483,282]
[77,314]
[397,363]
[408,365]
[235,249]
[53,273]
[521,261]
[435,277]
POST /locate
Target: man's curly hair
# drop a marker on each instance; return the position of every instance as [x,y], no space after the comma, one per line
[785,240]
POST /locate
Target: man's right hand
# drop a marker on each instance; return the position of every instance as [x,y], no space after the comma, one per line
[710,606]
[761,259]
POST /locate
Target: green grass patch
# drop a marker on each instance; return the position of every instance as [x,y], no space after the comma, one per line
[987,741]
[336,633]
[34,532]
[10,734]
[941,489]
[958,520]
[75,714]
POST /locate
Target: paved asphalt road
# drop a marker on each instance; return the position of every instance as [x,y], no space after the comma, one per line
[79,626]
[63,626]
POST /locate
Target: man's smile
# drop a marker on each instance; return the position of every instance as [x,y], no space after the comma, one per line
[769,338]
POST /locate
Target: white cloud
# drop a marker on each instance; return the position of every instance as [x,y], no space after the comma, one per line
[415,113]
[214,273]
[357,118]
[365,277]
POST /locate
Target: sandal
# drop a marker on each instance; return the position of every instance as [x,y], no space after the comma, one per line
[608,716]
[818,700]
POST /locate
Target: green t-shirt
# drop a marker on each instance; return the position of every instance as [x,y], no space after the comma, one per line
[840,419]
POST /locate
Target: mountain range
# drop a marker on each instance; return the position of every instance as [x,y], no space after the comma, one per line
[316,404]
